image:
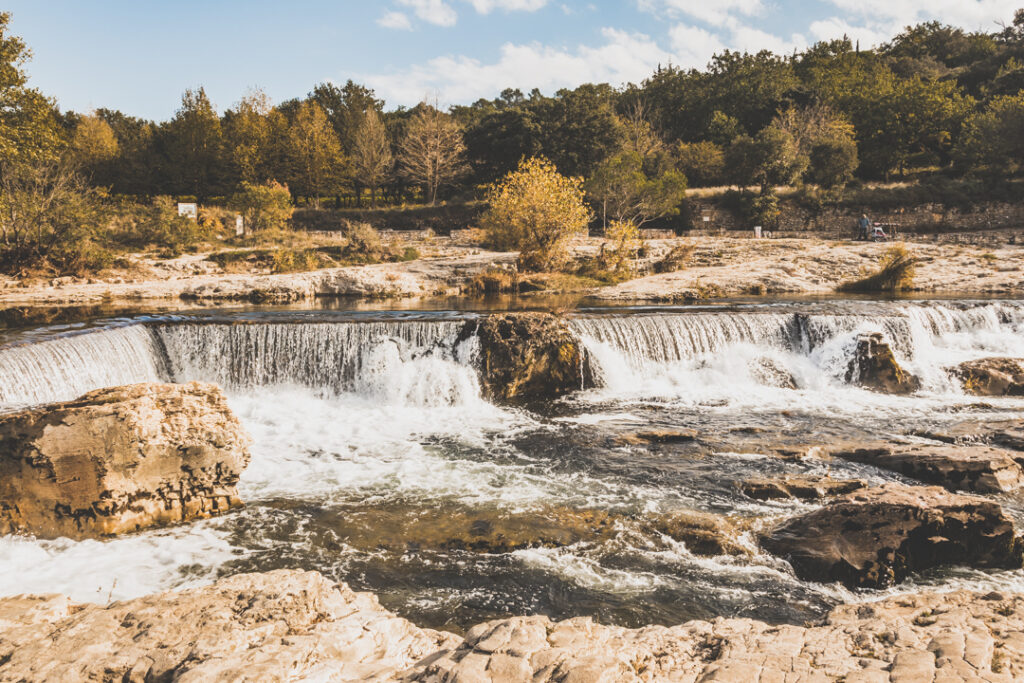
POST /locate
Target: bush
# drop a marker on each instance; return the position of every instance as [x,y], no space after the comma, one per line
[266,206]
[493,281]
[157,224]
[895,273]
[535,209]
[676,259]
[622,241]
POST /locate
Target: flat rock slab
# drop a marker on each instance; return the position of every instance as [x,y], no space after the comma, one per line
[291,625]
[119,460]
[279,626]
[878,537]
[800,487]
[981,469]
[1006,434]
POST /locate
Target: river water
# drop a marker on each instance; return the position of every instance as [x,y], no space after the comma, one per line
[372,441]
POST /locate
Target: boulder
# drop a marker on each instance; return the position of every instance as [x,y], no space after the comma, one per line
[661,437]
[527,356]
[877,537]
[992,376]
[767,371]
[119,460]
[801,487]
[981,469]
[280,626]
[875,367]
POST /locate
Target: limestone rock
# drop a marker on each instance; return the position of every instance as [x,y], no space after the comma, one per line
[992,376]
[527,355]
[290,625]
[280,626]
[1004,433]
[908,639]
[801,487]
[958,468]
[120,459]
[875,367]
[771,373]
[877,537]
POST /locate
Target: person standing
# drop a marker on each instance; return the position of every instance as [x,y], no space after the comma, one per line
[865,227]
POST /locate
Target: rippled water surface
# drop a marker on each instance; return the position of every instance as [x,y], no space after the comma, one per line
[377,461]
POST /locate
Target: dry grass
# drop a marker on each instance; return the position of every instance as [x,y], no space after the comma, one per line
[895,273]
[677,259]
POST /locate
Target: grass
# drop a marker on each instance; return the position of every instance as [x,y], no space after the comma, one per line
[895,273]
[677,259]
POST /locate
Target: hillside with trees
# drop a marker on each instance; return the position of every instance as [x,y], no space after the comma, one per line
[934,106]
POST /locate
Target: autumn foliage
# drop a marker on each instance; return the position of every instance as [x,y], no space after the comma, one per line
[535,209]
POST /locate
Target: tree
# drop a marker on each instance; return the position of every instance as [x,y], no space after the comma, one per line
[627,193]
[93,142]
[266,206]
[772,158]
[579,128]
[825,140]
[371,155]
[48,216]
[535,209]
[703,163]
[500,139]
[432,152]
[194,147]
[993,139]
[316,152]
[28,127]
[247,129]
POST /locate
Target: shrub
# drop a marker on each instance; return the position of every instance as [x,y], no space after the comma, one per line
[157,224]
[535,209]
[493,281]
[266,206]
[895,273]
[676,259]
[622,241]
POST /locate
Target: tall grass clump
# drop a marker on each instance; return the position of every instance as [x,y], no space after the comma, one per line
[897,267]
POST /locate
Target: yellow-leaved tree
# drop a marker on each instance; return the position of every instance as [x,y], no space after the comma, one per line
[535,209]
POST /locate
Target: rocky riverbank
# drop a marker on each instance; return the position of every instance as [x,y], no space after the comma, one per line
[292,625]
[717,267]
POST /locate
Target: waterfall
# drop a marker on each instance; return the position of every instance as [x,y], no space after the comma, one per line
[422,362]
[66,367]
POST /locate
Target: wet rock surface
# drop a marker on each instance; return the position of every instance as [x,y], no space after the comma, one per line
[800,487]
[279,626]
[411,529]
[878,537]
[875,367]
[527,356]
[292,625]
[1003,433]
[992,376]
[981,469]
[119,460]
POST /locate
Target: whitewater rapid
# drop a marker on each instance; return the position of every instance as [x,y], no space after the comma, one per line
[352,414]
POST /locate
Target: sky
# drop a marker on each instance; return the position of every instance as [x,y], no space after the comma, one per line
[140,55]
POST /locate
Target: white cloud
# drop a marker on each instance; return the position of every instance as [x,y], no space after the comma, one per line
[487,6]
[895,14]
[395,20]
[834,27]
[436,12]
[713,12]
[749,39]
[623,57]
[693,46]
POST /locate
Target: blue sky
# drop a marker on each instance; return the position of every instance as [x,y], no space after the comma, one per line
[139,55]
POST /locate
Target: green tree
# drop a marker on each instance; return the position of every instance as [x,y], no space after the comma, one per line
[247,130]
[194,147]
[535,209]
[28,126]
[993,139]
[318,162]
[625,192]
[264,206]
[371,155]
[703,163]
[578,128]
[94,143]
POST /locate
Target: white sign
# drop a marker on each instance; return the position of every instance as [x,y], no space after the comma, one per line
[239,225]
[188,210]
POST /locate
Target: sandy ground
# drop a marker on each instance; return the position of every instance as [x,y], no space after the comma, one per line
[719,267]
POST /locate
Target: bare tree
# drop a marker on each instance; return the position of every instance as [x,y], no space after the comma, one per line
[432,153]
[371,155]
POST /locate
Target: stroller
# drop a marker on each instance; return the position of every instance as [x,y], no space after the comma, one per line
[878,234]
